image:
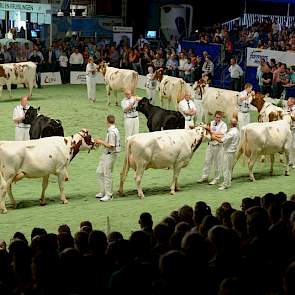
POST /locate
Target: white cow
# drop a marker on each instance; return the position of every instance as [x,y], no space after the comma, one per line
[170,88]
[18,73]
[160,150]
[39,158]
[265,139]
[117,80]
[217,99]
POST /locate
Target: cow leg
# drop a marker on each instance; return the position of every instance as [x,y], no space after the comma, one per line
[123,176]
[30,85]
[287,162]
[44,187]
[1,89]
[116,97]
[174,187]
[251,163]
[108,94]
[138,177]
[9,192]
[61,183]
[281,158]
[272,159]
[262,159]
[3,190]
[9,89]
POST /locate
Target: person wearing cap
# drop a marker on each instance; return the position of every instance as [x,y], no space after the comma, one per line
[188,109]
[91,79]
[22,130]
[131,121]
[108,158]
[150,85]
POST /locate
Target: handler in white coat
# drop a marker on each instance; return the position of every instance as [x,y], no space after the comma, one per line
[22,130]
[188,109]
[244,102]
[131,121]
[91,79]
[230,145]
[150,85]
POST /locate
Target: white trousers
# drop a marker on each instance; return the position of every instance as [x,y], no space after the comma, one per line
[22,133]
[91,88]
[244,119]
[213,156]
[228,161]
[200,111]
[131,126]
[188,124]
[292,148]
[104,173]
[151,94]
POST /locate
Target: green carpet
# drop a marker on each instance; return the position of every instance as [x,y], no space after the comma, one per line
[69,104]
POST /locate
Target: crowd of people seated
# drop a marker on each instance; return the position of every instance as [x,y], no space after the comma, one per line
[249,250]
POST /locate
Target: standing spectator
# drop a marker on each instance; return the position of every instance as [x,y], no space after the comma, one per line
[21,129]
[114,57]
[13,51]
[158,62]
[188,109]
[85,55]
[230,144]
[140,42]
[208,67]
[50,60]
[7,56]
[280,78]
[188,68]
[91,79]
[146,59]
[35,58]
[182,61]
[2,58]
[291,111]
[63,66]
[267,77]
[22,32]
[244,105]
[150,85]
[259,73]
[172,65]
[236,74]
[131,121]
[107,160]
[134,60]
[214,150]
[76,60]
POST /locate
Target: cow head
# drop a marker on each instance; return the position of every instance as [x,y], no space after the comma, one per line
[81,141]
[199,87]
[258,101]
[159,74]
[31,114]
[102,67]
[200,132]
[143,105]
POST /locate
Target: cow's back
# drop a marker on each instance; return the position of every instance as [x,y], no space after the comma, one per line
[23,72]
[172,88]
[120,79]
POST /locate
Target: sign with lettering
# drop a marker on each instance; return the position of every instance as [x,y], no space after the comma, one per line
[25,7]
[254,55]
[50,78]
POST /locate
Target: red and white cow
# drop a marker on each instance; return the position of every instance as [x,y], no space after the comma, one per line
[38,159]
[170,88]
[266,139]
[117,80]
[217,99]
[18,73]
[160,150]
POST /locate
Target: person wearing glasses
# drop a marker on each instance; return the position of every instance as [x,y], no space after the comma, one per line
[214,152]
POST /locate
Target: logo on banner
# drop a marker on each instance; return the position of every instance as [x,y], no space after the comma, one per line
[257,55]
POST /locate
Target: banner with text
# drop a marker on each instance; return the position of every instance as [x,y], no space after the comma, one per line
[254,56]
[80,78]
[50,78]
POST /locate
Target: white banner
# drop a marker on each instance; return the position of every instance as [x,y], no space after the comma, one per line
[24,7]
[50,78]
[80,78]
[255,54]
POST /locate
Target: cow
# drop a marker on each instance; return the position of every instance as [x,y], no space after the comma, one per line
[42,126]
[170,88]
[265,139]
[216,99]
[18,73]
[161,150]
[158,118]
[38,159]
[267,113]
[117,79]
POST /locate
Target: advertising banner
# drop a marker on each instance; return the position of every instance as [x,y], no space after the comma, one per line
[50,78]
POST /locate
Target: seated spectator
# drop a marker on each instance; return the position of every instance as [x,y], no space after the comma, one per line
[158,62]
[280,78]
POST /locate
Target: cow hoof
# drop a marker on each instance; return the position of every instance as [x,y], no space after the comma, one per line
[4,211]
[262,160]
[287,173]
[117,104]
[282,161]
[14,205]
[172,193]
[67,179]
[65,201]
[177,189]
[141,197]
[251,179]
[271,173]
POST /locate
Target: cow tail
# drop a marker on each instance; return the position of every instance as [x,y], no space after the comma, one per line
[125,168]
[135,79]
[244,144]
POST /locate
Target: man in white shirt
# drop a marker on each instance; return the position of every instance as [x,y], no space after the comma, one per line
[131,121]
[63,65]
[76,60]
[214,150]
[244,103]
[151,85]
[22,131]
[188,109]
[230,144]
[140,42]
[235,74]
[291,111]
[107,160]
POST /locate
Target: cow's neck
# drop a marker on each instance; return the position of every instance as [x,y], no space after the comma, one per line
[259,104]
[74,147]
[197,144]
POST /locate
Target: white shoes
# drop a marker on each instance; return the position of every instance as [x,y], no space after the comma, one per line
[221,188]
[99,195]
[201,180]
[214,181]
[106,198]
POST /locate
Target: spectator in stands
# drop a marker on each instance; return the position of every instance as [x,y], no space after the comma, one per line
[50,60]
[35,58]
[188,69]
[158,62]
[259,73]
[280,78]
[114,57]
[172,65]
[2,58]
[208,67]
[236,74]
[267,78]
[63,67]
[181,63]
[76,60]
[134,60]
[140,42]
[151,85]
[7,56]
